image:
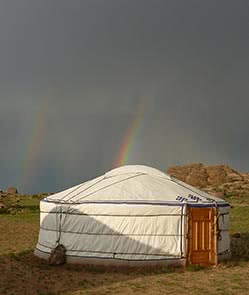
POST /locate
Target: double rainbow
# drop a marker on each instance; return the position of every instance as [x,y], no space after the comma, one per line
[36,138]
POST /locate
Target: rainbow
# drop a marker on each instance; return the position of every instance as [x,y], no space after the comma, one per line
[33,147]
[127,141]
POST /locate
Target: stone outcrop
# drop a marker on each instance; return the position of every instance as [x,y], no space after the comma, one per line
[218,180]
[12,190]
[2,205]
[11,201]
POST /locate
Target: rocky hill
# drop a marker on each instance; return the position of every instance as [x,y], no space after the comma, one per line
[218,180]
[13,202]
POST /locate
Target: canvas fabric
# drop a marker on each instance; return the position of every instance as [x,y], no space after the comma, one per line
[113,231]
[129,213]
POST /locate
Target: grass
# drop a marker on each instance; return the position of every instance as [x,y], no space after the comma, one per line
[194,267]
[239,219]
[18,232]
[30,204]
[237,200]
[22,273]
[21,204]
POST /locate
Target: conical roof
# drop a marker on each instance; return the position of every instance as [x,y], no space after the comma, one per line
[134,184]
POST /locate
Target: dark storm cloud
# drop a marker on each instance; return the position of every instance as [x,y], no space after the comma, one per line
[84,66]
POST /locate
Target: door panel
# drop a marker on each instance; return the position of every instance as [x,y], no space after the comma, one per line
[202,241]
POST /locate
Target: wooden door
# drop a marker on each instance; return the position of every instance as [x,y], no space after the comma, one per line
[202,236]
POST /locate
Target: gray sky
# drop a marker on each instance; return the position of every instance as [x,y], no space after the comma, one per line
[73,72]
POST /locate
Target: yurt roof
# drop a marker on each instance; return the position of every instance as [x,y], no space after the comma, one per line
[134,184]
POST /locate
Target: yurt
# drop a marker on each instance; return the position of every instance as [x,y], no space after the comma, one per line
[135,215]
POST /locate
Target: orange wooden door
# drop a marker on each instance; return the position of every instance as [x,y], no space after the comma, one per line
[202,238]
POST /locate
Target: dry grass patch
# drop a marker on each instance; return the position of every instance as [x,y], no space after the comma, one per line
[18,232]
[23,273]
[26,274]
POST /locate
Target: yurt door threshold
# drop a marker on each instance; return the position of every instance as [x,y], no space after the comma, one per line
[202,236]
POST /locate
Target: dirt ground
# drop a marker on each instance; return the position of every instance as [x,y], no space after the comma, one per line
[26,274]
[22,273]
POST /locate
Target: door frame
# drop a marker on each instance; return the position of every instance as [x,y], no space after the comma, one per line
[214,259]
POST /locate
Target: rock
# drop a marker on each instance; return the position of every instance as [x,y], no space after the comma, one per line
[217,180]
[194,174]
[12,190]
[57,256]
[2,206]
[236,236]
[216,174]
[217,194]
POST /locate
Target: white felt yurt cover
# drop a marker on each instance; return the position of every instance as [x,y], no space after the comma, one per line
[129,213]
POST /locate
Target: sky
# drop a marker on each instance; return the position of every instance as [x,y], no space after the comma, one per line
[74,73]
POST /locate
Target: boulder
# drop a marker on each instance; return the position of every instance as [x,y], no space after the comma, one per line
[217,194]
[12,190]
[194,174]
[212,177]
[2,205]
[236,235]
[3,195]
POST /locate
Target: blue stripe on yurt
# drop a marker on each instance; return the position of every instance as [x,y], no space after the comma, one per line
[117,202]
[208,205]
[214,204]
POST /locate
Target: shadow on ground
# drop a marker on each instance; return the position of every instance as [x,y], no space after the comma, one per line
[23,273]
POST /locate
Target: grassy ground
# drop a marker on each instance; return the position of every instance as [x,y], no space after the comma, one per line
[22,273]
